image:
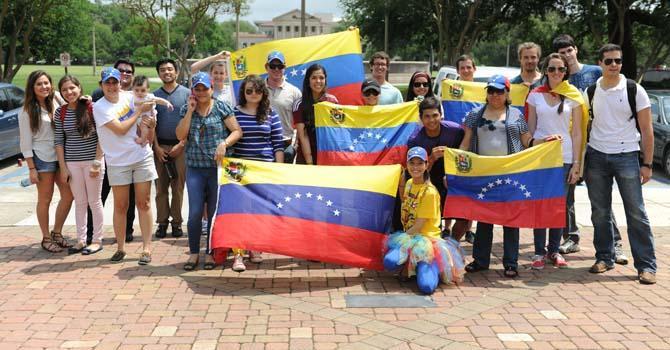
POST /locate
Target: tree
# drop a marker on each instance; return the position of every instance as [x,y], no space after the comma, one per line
[18,20]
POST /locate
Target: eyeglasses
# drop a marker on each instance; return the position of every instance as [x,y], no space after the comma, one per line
[371,93]
[251,91]
[418,85]
[492,91]
[125,71]
[609,61]
[276,66]
[379,65]
[552,69]
[488,123]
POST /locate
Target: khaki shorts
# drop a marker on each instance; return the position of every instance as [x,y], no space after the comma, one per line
[139,172]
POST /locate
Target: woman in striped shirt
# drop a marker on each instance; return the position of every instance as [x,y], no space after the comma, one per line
[261,137]
[80,161]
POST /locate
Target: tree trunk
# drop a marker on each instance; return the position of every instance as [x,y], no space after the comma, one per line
[620,32]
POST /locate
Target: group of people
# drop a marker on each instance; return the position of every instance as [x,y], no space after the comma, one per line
[123,138]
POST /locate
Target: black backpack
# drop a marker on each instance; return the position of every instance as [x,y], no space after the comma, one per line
[631,91]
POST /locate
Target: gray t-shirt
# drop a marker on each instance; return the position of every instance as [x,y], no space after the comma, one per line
[282,99]
[166,120]
[492,138]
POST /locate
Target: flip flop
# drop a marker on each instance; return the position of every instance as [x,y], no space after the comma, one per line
[89,251]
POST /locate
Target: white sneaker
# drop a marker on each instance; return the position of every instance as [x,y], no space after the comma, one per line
[255,257]
[238,264]
[537,262]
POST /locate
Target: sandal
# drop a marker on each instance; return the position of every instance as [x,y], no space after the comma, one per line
[511,272]
[191,264]
[209,265]
[50,246]
[76,249]
[474,267]
[58,238]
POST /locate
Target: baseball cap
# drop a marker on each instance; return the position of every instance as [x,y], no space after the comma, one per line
[276,55]
[108,73]
[419,152]
[498,82]
[370,84]
[201,78]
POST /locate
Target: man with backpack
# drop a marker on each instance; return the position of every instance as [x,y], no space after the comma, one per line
[617,125]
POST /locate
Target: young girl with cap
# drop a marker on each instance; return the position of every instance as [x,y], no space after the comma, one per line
[419,250]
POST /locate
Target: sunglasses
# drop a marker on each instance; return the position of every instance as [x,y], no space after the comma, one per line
[552,69]
[418,85]
[125,71]
[609,61]
[371,93]
[276,66]
[251,91]
[495,92]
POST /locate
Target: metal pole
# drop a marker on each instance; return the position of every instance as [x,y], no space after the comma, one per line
[167,24]
[94,59]
[386,27]
[302,18]
[238,9]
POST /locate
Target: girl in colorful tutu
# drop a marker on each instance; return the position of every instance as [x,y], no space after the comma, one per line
[419,250]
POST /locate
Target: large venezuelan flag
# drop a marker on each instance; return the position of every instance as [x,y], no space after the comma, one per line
[460,97]
[525,189]
[339,53]
[364,135]
[331,214]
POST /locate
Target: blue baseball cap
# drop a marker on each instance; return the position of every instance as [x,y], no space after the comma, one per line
[201,78]
[108,73]
[498,82]
[419,152]
[276,55]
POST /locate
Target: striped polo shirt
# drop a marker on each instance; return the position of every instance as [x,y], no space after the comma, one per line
[66,135]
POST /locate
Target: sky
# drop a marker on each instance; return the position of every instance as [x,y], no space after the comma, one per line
[261,10]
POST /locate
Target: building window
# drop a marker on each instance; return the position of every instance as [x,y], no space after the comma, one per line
[321,29]
[279,29]
[313,29]
[288,29]
[296,29]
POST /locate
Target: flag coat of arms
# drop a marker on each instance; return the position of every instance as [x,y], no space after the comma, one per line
[460,97]
[339,53]
[525,189]
[332,214]
[364,135]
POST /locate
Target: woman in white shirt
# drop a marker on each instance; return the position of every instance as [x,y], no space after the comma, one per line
[551,113]
[36,135]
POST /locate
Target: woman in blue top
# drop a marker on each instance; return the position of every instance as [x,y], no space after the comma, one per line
[209,128]
[261,137]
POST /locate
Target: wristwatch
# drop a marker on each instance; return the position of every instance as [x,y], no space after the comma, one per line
[647,165]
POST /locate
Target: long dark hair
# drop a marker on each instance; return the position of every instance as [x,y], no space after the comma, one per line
[263,110]
[545,65]
[83,118]
[307,103]
[410,89]
[32,106]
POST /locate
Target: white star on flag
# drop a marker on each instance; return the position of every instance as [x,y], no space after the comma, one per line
[319,197]
[279,205]
[298,195]
[383,140]
[309,195]
[480,196]
[522,187]
[508,181]
[336,212]
[303,72]
[355,141]
[352,147]
[499,182]
[491,185]
[484,189]
[287,199]
[369,134]
[294,72]
[516,183]
[329,203]
[378,136]
[527,194]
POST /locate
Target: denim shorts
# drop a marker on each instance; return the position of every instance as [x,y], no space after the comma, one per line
[44,167]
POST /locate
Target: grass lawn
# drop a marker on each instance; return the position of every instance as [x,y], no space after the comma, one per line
[89,82]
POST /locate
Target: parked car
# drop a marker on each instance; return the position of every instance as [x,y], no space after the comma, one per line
[11,102]
[660,116]
[656,79]
[482,74]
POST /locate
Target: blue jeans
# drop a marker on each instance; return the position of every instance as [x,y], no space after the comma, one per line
[540,234]
[481,249]
[203,187]
[599,172]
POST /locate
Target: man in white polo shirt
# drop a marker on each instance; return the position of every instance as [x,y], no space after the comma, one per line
[613,152]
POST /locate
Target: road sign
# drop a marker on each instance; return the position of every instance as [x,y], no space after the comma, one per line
[65,59]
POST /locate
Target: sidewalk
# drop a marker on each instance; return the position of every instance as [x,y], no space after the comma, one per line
[80,302]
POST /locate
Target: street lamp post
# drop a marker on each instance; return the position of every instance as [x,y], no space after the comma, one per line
[166,6]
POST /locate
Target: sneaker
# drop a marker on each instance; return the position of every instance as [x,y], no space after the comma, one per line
[177,231]
[558,260]
[568,246]
[647,277]
[118,256]
[145,258]
[600,267]
[470,237]
[161,231]
[238,263]
[538,262]
[255,257]
[619,257]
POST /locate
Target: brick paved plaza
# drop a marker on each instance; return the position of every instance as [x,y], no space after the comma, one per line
[81,302]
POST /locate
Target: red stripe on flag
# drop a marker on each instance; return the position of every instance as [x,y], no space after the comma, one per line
[543,213]
[300,238]
[393,155]
[349,94]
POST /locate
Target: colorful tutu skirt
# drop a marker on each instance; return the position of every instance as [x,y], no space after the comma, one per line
[441,258]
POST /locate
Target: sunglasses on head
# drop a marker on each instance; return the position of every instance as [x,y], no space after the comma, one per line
[125,71]
[492,91]
[418,85]
[552,69]
[371,93]
[609,61]
[276,66]
[250,91]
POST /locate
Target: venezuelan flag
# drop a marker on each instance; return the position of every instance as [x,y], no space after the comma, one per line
[332,214]
[525,189]
[364,135]
[339,53]
[460,97]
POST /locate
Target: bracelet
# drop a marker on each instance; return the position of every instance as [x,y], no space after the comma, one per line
[225,142]
[530,143]
[29,168]
[96,163]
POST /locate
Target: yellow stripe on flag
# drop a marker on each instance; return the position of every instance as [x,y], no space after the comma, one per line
[387,116]
[470,91]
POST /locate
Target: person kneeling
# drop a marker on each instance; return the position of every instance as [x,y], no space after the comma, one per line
[419,249]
